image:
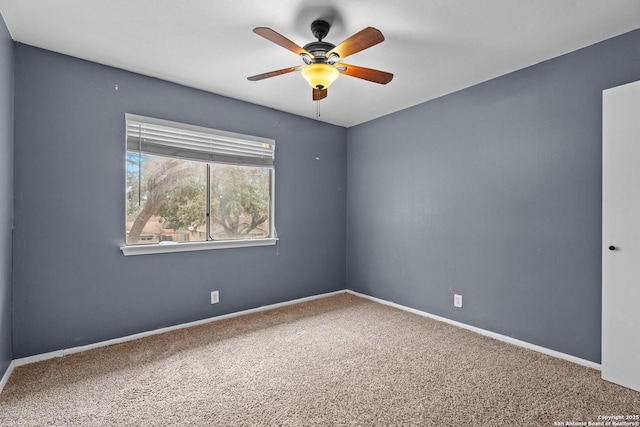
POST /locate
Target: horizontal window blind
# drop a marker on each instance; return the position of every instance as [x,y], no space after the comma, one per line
[172,139]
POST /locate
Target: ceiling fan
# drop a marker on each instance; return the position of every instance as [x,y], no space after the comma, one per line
[321,59]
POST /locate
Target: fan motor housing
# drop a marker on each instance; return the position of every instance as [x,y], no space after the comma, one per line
[318,49]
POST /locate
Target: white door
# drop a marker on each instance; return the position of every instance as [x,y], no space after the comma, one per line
[621,236]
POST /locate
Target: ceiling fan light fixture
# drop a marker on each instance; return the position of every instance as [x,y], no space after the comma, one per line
[321,59]
[320,76]
[306,58]
[333,58]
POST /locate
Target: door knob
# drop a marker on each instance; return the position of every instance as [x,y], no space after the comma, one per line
[612,248]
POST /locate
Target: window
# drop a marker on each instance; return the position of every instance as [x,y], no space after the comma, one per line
[192,188]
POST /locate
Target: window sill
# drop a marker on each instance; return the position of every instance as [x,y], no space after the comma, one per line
[195,246]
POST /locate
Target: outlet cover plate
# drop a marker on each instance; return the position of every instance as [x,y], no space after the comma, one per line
[457,300]
[215,297]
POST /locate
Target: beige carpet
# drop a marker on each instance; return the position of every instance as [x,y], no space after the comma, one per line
[341,360]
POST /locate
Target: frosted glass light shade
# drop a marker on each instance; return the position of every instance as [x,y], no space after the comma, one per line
[320,76]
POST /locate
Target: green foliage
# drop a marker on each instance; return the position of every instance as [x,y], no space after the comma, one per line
[239,198]
[134,163]
[175,191]
[184,206]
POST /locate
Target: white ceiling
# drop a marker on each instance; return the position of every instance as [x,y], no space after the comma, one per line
[432,47]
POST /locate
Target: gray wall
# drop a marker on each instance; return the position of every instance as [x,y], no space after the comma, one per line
[493,192]
[6,192]
[73,286]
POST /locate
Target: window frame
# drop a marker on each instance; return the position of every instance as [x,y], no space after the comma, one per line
[208,244]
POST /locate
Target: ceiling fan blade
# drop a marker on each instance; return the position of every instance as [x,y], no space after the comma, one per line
[271,74]
[359,41]
[319,94]
[279,39]
[369,74]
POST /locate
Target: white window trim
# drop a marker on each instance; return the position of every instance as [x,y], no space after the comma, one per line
[196,246]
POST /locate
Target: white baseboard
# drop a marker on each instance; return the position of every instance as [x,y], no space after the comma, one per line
[490,334]
[7,374]
[65,352]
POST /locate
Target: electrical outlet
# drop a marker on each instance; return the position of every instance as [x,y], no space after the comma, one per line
[457,300]
[215,297]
